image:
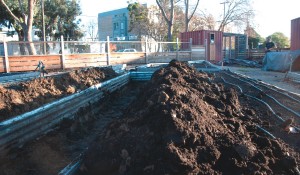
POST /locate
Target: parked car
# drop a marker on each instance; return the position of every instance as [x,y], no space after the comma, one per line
[127,50]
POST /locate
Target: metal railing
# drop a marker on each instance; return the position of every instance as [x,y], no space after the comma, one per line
[23,48]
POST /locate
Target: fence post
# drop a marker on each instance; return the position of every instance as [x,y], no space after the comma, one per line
[146,52]
[206,50]
[6,56]
[177,48]
[62,52]
[190,48]
[108,51]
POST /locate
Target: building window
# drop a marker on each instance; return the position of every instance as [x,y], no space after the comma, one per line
[116,26]
[122,26]
[212,38]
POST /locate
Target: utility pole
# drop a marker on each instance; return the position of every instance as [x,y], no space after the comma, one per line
[223,25]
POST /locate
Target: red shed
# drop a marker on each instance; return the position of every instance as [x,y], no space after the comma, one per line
[212,39]
[295,34]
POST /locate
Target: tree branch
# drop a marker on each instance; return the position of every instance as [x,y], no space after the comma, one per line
[10,12]
[163,11]
[194,11]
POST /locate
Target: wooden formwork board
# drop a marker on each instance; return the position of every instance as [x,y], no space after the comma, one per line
[78,65]
[127,61]
[85,60]
[29,63]
[84,56]
[31,68]
[127,55]
[2,64]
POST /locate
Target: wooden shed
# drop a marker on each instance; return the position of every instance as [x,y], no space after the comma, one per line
[212,40]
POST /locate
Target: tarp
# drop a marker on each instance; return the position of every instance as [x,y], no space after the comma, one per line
[279,61]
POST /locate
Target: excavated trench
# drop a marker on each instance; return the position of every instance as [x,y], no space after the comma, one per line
[182,121]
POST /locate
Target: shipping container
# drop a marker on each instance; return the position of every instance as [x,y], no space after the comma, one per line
[234,46]
[295,34]
[212,40]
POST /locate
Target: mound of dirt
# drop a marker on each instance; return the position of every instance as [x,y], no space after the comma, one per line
[19,98]
[184,123]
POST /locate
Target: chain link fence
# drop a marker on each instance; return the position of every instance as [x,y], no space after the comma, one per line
[15,48]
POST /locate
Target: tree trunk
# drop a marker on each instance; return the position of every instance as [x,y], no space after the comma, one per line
[170,37]
[169,20]
[31,48]
[26,22]
[186,21]
[21,45]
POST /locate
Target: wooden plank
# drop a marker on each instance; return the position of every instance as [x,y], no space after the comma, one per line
[34,58]
[77,56]
[131,61]
[80,58]
[85,62]
[2,65]
[93,58]
[84,59]
[31,68]
[84,65]
[33,63]
[122,55]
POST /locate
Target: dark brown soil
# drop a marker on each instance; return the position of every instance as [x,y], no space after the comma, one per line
[185,122]
[49,154]
[18,98]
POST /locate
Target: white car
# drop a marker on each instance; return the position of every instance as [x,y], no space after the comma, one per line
[127,50]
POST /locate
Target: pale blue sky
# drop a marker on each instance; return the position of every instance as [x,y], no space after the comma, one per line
[271,16]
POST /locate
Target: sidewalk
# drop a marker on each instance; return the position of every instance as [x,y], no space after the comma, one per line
[274,78]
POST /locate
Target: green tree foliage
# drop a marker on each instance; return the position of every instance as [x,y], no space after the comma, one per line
[60,19]
[19,14]
[139,22]
[280,40]
[151,22]
[253,42]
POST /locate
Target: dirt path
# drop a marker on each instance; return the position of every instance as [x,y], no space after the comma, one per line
[270,77]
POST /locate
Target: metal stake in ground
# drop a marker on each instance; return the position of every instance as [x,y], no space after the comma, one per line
[41,68]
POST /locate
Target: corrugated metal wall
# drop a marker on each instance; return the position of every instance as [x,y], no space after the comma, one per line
[214,49]
[295,34]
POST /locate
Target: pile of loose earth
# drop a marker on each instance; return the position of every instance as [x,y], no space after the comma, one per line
[18,98]
[184,122]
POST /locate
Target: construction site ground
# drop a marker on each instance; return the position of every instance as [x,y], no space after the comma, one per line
[179,122]
[279,79]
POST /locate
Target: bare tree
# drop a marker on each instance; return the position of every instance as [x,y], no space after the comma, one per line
[235,11]
[25,21]
[92,28]
[167,10]
[202,21]
[188,16]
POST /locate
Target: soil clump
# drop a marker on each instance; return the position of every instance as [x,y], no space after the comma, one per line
[184,122]
[18,98]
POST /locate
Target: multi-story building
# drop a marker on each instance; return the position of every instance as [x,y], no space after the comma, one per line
[115,24]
